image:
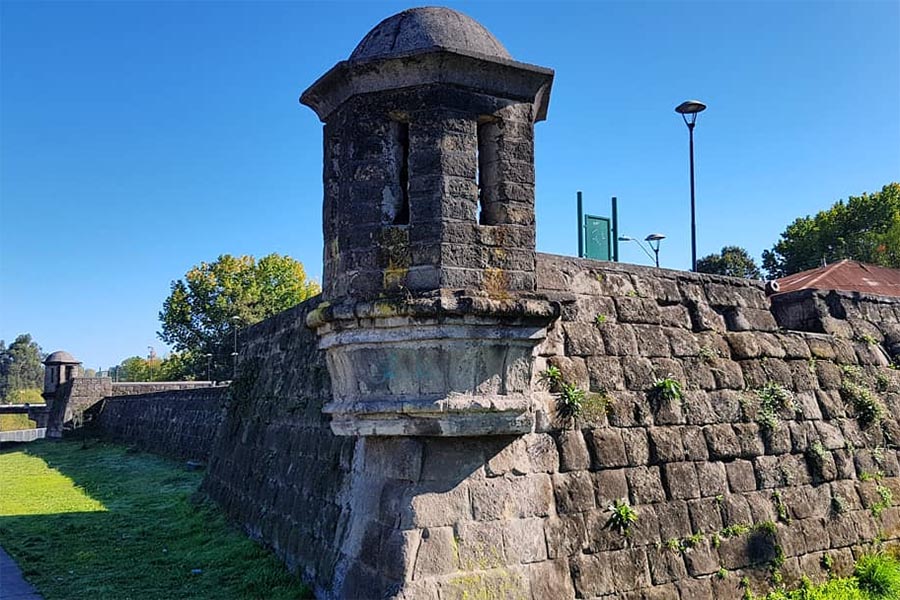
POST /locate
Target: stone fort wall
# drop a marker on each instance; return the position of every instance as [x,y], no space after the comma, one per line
[181,423]
[73,399]
[275,466]
[724,485]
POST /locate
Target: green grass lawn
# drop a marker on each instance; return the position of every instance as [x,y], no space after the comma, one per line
[104,523]
[15,422]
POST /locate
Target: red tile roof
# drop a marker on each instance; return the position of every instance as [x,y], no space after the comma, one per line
[848,276]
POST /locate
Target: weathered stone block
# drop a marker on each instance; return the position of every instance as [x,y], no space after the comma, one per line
[543,457]
[436,504]
[511,497]
[705,515]
[610,572]
[681,480]
[573,452]
[509,583]
[524,542]
[437,553]
[505,456]
[551,579]
[607,448]
[480,545]
[565,535]
[574,492]
[619,339]
[665,565]
[605,373]
[601,536]
[610,485]
[629,409]
[696,589]
[712,478]
[674,520]
[694,443]
[637,310]
[666,445]
[749,439]
[639,374]
[645,485]
[637,446]
[582,339]
[722,442]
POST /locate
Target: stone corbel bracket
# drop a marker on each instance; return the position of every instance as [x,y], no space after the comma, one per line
[445,366]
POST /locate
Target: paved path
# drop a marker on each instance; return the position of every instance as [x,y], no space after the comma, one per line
[12,585]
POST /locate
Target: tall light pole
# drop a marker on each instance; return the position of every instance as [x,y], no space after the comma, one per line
[234,355]
[208,356]
[689,111]
[150,361]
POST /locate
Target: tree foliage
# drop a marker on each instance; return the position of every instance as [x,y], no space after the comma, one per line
[178,366]
[864,228]
[20,366]
[732,261]
[204,308]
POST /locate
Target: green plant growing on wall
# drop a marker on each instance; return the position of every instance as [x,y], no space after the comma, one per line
[569,397]
[735,530]
[867,338]
[773,398]
[623,517]
[666,388]
[815,457]
[868,408]
[595,406]
[781,508]
[744,584]
[886,500]
[674,545]
[882,383]
[722,573]
[552,376]
[570,401]
[879,575]
[707,354]
[839,505]
[600,319]
[811,365]
[856,391]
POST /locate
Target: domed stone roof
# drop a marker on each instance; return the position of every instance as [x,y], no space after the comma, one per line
[61,357]
[427,28]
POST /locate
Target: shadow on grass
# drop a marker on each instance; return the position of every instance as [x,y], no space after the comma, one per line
[153,540]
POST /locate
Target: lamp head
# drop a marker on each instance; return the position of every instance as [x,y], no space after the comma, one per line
[654,237]
[689,109]
[625,238]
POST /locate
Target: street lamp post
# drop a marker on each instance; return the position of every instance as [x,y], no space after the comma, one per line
[234,355]
[689,111]
[150,361]
[653,237]
[208,356]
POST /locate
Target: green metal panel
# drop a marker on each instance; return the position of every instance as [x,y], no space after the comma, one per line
[598,242]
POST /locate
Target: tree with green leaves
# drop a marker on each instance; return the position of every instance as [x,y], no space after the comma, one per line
[214,299]
[732,261]
[20,366]
[864,228]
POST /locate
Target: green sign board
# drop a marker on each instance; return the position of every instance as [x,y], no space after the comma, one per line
[598,243]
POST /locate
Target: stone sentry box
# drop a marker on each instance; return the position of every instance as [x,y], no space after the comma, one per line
[430,315]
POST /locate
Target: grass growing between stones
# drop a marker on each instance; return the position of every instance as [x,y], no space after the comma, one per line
[876,577]
[103,522]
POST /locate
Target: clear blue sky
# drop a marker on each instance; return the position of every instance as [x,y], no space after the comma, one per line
[140,138]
